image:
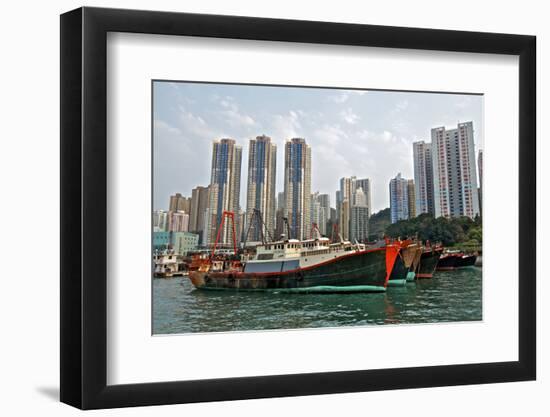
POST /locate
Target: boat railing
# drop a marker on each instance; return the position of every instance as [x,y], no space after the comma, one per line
[314,252]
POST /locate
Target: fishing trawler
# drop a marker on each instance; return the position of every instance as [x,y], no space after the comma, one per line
[292,265]
[451,260]
[429,260]
[406,263]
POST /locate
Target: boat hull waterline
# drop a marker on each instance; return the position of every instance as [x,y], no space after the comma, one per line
[399,272]
[428,263]
[360,271]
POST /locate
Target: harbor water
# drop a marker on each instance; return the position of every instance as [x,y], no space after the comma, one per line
[449,296]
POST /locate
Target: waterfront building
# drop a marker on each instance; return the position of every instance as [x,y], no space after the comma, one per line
[399,199]
[160,221]
[225,186]
[181,242]
[184,242]
[178,221]
[262,162]
[161,240]
[423,178]
[199,204]
[179,203]
[297,187]
[411,198]
[359,217]
[454,169]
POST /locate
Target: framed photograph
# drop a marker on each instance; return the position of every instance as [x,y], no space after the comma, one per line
[257,208]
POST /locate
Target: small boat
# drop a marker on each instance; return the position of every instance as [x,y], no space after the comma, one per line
[479,260]
[167,264]
[448,261]
[453,260]
[428,261]
[466,260]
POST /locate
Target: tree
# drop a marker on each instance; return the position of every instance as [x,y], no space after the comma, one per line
[378,223]
[444,230]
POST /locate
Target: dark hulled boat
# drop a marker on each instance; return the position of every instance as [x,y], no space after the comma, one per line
[448,261]
[405,263]
[399,271]
[314,265]
[453,260]
[415,263]
[466,260]
[428,261]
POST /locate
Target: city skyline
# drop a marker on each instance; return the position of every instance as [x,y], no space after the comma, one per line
[366,133]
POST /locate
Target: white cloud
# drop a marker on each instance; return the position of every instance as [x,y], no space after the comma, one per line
[286,126]
[161,127]
[339,98]
[402,105]
[349,116]
[195,125]
[233,116]
[344,96]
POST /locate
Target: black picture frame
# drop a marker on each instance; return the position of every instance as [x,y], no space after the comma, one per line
[84,207]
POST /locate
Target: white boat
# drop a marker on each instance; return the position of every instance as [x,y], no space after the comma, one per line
[167,264]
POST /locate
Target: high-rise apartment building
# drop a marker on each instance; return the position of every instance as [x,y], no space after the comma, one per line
[359,217]
[480,173]
[199,204]
[160,221]
[262,162]
[364,184]
[423,178]
[281,200]
[324,202]
[399,199]
[347,192]
[343,220]
[178,221]
[298,187]
[320,211]
[454,169]
[347,189]
[225,186]
[411,192]
[179,203]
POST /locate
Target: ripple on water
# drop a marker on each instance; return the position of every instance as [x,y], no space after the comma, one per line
[449,296]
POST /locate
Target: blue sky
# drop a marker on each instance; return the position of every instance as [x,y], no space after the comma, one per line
[365,133]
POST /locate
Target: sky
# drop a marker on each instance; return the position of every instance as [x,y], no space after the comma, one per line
[366,133]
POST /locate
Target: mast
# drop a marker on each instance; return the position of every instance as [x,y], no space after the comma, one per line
[231,215]
[257,216]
